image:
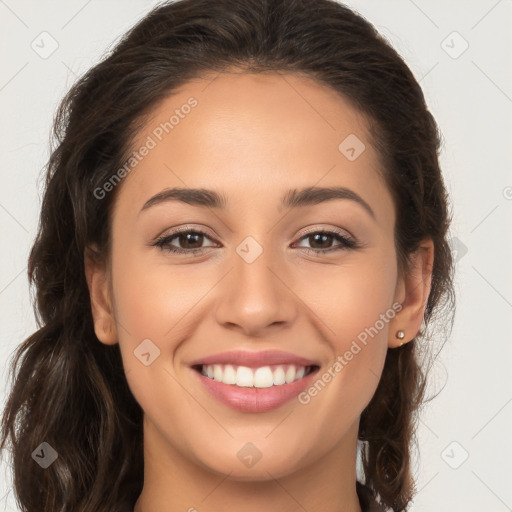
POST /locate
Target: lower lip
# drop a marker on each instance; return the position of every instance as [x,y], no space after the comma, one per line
[255,399]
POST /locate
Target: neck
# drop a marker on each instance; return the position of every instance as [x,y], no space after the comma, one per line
[173,482]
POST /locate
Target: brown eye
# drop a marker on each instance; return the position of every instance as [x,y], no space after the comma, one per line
[190,239]
[185,242]
[321,242]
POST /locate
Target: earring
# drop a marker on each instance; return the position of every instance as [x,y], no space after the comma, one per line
[400,335]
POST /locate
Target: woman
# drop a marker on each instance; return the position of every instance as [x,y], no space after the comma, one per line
[243,229]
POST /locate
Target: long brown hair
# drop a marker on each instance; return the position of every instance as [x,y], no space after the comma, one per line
[69,390]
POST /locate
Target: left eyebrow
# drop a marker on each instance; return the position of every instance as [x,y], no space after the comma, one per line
[315,195]
[291,199]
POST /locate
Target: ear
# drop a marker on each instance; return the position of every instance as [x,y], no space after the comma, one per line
[101,305]
[412,292]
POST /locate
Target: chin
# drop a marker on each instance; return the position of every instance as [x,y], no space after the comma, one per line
[265,469]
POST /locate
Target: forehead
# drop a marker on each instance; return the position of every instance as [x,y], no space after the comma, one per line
[250,134]
[238,105]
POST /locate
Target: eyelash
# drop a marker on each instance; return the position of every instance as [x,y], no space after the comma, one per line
[346,243]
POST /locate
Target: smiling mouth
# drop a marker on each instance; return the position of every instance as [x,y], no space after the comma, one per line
[261,377]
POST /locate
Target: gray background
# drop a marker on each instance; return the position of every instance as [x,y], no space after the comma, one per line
[464,435]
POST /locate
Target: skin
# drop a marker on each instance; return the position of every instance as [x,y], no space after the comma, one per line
[253,137]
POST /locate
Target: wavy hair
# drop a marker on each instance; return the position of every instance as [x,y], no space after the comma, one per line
[69,390]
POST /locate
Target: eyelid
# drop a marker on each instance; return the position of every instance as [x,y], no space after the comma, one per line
[316,229]
[185,229]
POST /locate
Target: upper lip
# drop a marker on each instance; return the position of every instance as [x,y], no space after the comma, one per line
[254,359]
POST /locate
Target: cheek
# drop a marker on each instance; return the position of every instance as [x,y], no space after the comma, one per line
[152,301]
[353,303]
[352,298]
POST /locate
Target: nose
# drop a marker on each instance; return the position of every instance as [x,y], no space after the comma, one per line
[256,295]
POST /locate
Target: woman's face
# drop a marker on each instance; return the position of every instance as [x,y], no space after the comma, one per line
[258,277]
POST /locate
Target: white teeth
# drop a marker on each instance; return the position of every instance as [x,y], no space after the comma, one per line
[263,377]
[279,376]
[243,376]
[229,376]
[290,374]
[217,372]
